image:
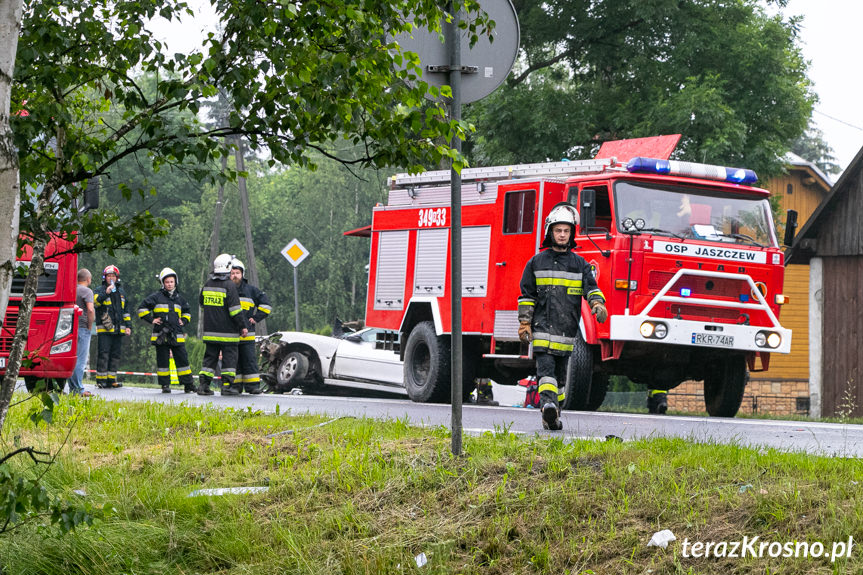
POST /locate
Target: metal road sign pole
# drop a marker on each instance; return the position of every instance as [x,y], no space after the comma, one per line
[296,299]
[454,46]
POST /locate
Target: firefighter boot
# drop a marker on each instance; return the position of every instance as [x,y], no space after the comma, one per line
[657,401]
[229,387]
[484,393]
[166,389]
[255,388]
[204,385]
[548,398]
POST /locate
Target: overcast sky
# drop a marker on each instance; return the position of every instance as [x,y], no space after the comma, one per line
[832,41]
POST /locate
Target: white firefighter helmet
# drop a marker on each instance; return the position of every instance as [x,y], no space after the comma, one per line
[166,273]
[562,213]
[237,264]
[222,264]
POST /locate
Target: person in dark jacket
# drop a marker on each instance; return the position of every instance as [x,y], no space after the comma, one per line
[256,306]
[169,312]
[549,309]
[112,324]
[224,325]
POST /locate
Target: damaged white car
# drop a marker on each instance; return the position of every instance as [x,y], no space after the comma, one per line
[370,356]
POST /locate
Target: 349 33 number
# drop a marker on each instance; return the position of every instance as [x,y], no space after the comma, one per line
[432,217]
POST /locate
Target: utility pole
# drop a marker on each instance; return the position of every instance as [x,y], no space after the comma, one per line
[214,239]
[251,266]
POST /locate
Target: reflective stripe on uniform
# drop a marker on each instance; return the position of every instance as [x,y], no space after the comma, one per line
[548,387]
[594,293]
[265,308]
[143,311]
[207,371]
[161,308]
[215,338]
[234,310]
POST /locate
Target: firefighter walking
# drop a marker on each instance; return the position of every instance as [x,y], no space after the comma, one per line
[169,312]
[224,324]
[549,309]
[112,325]
[256,306]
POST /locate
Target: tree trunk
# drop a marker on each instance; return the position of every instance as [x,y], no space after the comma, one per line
[25,310]
[10,197]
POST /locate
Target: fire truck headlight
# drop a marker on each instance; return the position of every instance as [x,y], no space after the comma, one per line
[660,331]
[646,329]
[773,340]
[64,347]
[760,339]
[64,323]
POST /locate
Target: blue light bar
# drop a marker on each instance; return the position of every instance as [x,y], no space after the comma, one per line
[685,292]
[691,170]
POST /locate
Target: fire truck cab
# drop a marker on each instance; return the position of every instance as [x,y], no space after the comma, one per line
[685,254]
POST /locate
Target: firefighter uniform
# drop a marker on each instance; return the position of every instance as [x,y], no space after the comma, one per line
[256,305]
[168,336]
[552,286]
[112,320]
[223,319]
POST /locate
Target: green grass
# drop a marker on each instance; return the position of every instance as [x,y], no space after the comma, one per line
[364,497]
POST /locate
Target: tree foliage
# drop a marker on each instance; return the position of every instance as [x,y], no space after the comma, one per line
[727,76]
[812,147]
[93,87]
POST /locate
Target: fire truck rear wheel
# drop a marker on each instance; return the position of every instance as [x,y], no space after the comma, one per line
[427,364]
[579,388]
[724,386]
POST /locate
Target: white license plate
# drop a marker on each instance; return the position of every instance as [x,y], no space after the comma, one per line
[2,362]
[714,339]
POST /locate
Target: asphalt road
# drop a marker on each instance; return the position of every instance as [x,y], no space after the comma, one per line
[830,439]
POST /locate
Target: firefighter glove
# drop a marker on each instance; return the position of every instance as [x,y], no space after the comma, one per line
[525,334]
[599,311]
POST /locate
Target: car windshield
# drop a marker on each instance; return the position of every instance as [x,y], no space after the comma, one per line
[695,213]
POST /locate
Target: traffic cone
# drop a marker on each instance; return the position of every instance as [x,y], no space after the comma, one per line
[173,367]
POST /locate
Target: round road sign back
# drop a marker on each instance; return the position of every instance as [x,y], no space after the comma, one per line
[484,66]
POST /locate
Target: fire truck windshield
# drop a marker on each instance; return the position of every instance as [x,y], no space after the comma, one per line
[697,213]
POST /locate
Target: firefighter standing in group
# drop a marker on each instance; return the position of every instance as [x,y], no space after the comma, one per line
[224,325]
[256,306]
[112,325]
[549,309]
[169,312]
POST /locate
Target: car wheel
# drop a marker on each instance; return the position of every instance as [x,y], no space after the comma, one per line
[292,370]
[427,364]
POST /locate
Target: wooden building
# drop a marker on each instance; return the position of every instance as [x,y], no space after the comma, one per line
[785,387]
[831,244]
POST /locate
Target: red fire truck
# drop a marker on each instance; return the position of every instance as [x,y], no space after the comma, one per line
[686,255]
[53,335]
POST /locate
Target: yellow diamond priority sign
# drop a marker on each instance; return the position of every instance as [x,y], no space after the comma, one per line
[294,252]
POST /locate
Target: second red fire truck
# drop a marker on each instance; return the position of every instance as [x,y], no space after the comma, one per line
[686,255]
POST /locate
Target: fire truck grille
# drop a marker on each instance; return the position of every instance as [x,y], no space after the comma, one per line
[716,314]
[6,335]
[699,286]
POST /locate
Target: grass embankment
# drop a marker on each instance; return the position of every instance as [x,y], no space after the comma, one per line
[357,496]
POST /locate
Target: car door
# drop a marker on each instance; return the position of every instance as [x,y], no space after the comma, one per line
[358,360]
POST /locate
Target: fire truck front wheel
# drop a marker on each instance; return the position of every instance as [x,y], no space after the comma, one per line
[724,385]
[427,365]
